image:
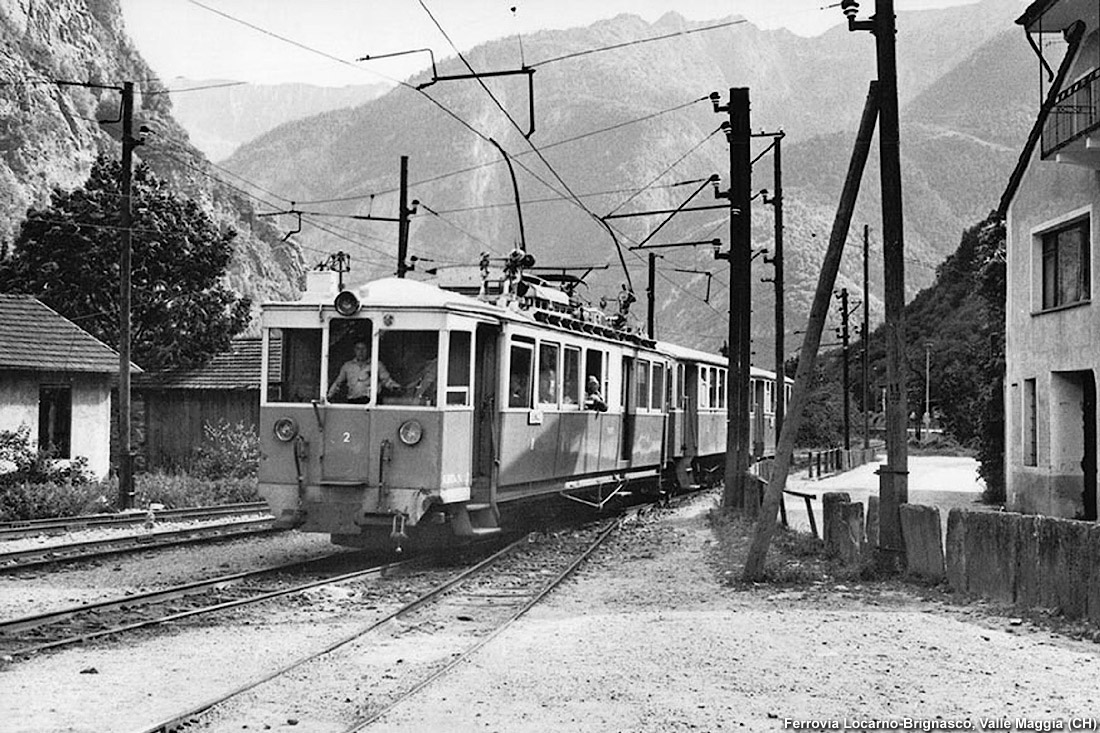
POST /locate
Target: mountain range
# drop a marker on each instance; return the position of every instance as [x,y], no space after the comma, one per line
[220,115]
[626,130]
[618,130]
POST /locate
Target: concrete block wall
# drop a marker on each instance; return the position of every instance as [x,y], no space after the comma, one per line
[1029,561]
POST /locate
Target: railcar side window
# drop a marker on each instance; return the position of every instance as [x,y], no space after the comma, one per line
[643,384]
[571,376]
[458,369]
[658,387]
[680,391]
[408,367]
[716,376]
[594,361]
[521,361]
[293,364]
[548,374]
[704,387]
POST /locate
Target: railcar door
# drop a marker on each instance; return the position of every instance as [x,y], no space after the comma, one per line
[486,411]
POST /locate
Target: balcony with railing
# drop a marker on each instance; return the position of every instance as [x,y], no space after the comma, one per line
[1070,131]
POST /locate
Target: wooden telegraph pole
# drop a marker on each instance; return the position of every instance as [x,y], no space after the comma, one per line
[894,476]
[765,524]
[403,220]
[740,257]
[125,452]
[780,328]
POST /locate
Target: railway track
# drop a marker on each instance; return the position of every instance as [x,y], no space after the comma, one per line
[51,554]
[408,648]
[30,635]
[63,525]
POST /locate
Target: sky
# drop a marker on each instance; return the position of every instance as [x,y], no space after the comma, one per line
[181,38]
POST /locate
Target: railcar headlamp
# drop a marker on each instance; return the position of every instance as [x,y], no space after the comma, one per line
[346,303]
[410,432]
[285,429]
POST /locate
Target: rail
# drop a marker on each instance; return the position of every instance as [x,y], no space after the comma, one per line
[17,529]
[525,584]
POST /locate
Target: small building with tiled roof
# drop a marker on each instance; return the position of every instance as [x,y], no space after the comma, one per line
[55,379]
[179,403]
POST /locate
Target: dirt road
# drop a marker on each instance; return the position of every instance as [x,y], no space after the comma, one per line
[940,481]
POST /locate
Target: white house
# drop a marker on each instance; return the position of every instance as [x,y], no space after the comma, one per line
[55,379]
[1052,326]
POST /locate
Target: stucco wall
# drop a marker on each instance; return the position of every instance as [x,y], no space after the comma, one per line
[91,411]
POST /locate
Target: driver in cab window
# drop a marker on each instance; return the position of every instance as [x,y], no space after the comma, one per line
[355,375]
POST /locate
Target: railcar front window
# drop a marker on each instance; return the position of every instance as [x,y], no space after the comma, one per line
[519,375]
[293,364]
[349,361]
[408,367]
[458,369]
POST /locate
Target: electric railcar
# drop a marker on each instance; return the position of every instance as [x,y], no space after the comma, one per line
[469,403]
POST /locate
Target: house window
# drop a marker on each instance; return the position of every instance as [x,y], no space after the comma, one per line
[1031,431]
[1066,265]
[55,420]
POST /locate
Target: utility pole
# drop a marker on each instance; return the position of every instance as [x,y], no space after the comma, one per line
[125,454]
[894,476]
[403,220]
[740,257]
[927,388]
[651,299]
[776,201]
[765,526]
[866,341]
[844,337]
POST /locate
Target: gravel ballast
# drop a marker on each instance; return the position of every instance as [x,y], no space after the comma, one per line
[649,636]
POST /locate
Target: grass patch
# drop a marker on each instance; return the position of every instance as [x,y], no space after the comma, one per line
[794,558]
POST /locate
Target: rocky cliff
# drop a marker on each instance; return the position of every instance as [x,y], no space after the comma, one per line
[50,132]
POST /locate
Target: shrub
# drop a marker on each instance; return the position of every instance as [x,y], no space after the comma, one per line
[20,463]
[180,490]
[20,501]
[229,450]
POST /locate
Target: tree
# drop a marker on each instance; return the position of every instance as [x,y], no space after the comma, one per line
[67,256]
